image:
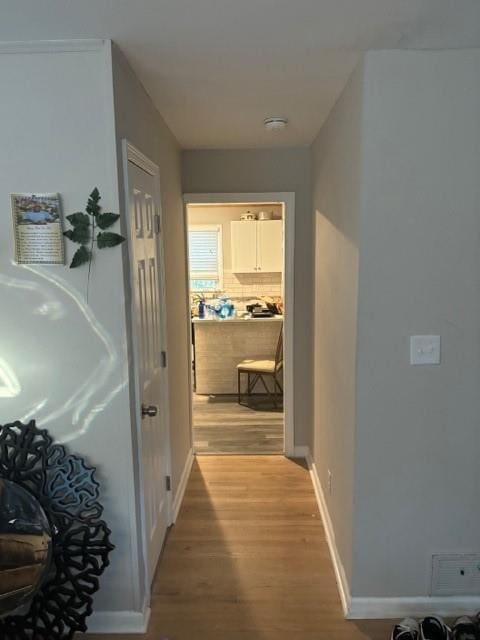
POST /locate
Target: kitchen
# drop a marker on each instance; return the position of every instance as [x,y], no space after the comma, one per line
[236,263]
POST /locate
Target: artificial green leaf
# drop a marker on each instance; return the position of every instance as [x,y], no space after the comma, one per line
[93,208]
[109,239]
[80,234]
[81,256]
[105,220]
[79,218]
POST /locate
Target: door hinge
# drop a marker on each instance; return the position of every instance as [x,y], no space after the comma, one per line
[157,223]
[163,358]
[168,483]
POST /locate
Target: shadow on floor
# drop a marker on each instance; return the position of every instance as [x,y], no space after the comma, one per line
[199,591]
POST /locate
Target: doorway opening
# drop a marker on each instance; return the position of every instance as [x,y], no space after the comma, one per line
[240,295]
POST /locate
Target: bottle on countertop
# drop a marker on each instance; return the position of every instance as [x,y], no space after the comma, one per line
[201,309]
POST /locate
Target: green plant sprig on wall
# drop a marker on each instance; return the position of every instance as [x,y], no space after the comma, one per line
[84,232]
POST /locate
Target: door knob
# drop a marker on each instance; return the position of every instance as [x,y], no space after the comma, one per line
[149,410]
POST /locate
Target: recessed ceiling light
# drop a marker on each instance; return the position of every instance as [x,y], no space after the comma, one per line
[275,123]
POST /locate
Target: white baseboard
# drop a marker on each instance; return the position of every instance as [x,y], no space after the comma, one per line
[182,485]
[119,621]
[448,606]
[300,452]
[341,578]
[358,608]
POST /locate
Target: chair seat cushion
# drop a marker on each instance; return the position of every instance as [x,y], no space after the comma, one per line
[264,366]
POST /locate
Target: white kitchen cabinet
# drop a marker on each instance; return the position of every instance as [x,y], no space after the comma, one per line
[257,246]
[269,245]
[244,247]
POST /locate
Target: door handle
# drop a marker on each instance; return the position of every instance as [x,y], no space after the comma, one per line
[149,410]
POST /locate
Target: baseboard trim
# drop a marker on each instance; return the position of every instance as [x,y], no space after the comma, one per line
[358,608]
[182,485]
[341,578]
[301,452]
[119,621]
[449,606]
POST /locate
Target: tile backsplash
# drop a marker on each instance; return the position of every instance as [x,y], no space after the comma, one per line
[252,285]
[243,287]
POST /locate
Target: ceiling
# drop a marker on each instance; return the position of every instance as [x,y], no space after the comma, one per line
[216,68]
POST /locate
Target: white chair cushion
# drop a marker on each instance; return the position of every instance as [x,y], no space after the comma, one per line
[267,366]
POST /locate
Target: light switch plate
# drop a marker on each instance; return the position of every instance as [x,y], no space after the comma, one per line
[424,349]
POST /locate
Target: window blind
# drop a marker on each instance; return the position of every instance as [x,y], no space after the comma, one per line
[203,253]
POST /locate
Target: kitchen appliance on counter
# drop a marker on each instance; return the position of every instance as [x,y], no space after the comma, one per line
[262,312]
[253,306]
[257,310]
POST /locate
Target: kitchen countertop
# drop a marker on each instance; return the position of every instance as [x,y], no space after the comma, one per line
[235,320]
[219,346]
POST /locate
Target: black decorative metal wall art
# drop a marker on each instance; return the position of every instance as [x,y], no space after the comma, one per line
[53,543]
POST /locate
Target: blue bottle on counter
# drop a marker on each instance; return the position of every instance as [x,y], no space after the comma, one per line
[201,309]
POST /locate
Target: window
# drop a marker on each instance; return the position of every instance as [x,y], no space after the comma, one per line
[205,257]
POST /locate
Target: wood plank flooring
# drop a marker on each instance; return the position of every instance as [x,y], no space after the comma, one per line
[221,425]
[248,560]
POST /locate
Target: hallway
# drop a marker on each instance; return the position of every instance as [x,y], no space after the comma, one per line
[248,559]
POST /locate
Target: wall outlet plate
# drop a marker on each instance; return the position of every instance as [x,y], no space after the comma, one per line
[425,349]
[329,473]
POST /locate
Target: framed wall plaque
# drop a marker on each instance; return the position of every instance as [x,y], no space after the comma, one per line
[37,228]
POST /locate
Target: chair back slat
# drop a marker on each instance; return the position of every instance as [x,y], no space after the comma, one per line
[279,350]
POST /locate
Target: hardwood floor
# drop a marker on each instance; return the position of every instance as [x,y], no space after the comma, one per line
[248,560]
[221,425]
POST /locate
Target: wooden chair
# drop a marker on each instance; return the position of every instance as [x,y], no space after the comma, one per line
[261,369]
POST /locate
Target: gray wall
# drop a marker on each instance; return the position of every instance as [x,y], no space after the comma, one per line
[267,170]
[336,170]
[137,120]
[418,439]
[396,194]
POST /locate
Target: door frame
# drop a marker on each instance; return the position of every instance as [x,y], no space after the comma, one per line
[287,199]
[130,153]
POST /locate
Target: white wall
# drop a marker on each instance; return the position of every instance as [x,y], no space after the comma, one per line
[336,170]
[138,120]
[271,170]
[418,438]
[69,357]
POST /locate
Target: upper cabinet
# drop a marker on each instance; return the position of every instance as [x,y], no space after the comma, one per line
[244,247]
[257,246]
[270,245]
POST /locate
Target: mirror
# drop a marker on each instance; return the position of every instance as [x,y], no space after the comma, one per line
[25,548]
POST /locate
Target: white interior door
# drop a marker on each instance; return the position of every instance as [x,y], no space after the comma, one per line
[149,321]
